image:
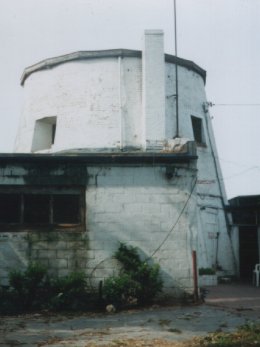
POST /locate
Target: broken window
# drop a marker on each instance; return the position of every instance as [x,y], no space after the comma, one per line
[44,133]
[198,131]
[51,207]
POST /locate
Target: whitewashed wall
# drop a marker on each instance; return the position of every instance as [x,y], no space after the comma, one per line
[111,103]
[140,206]
[135,205]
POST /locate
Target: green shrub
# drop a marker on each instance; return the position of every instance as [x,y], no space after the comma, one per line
[206,271]
[129,257]
[70,292]
[29,287]
[33,289]
[10,302]
[30,279]
[120,290]
[138,280]
[148,276]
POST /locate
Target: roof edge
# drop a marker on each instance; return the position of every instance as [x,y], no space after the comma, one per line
[83,55]
[95,158]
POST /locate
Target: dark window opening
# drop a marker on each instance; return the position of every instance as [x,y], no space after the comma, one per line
[10,208]
[66,209]
[36,209]
[53,133]
[198,130]
[29,208]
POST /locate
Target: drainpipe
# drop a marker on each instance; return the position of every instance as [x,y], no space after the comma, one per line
[195,276]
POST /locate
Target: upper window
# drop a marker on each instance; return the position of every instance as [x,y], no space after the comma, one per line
[198,130]
[44,133]
[22,208]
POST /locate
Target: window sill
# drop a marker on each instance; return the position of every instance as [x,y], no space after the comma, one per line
[41,228]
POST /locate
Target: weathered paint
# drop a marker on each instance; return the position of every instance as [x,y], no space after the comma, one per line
[112,101]
[139,205]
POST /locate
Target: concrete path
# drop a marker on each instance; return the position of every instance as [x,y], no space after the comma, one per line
[224,310]
[239,297]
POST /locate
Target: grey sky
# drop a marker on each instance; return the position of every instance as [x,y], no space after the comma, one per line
[222,36]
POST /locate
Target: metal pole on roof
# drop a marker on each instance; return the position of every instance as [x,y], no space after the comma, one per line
[176,71]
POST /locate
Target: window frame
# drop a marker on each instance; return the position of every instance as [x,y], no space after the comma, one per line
[50,225]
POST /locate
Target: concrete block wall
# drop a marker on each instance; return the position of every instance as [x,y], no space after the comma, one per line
[61,252]
[139,206]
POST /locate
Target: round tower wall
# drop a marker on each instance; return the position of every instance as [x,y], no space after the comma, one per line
[96,104]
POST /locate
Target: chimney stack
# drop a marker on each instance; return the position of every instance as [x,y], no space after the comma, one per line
[153,89]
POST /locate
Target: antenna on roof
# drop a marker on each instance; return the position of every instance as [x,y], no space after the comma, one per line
[176,71]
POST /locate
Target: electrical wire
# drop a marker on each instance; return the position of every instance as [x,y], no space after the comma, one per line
[247,168]
[235,105]
[240,173]
[236,163]
[175,223]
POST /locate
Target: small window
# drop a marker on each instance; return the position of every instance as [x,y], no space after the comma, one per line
[198,131]
[44,133]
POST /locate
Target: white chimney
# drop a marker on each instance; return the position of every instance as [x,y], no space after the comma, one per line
[153,89]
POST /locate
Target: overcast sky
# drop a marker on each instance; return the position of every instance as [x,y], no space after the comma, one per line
[222,36]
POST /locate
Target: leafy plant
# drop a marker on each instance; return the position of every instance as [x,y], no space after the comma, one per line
[138,280]
[70,292]
[120,290]
[129,257]
[28,286]
[33,289]
[206,271]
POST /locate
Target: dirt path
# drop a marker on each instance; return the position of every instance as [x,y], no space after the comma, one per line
[166,325]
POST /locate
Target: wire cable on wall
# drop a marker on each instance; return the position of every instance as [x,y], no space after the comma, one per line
[235,105]
[176,222]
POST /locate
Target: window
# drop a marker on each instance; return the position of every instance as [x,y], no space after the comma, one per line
[44,133]
[54,208]
[36,209]
[198,131]
[10,211]
[66,209]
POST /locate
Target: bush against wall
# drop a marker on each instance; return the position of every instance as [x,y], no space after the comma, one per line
[33,289]
[138,283]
